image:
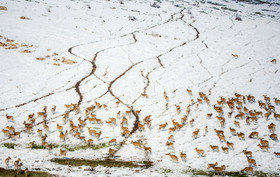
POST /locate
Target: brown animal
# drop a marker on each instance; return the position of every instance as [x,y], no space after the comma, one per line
[10,118]
[178,109]
[254,135]
[124,121]
[98,134]
[214,148]
[136,144]
[147,149]
[7,160]
[212,165]
[173,157]
[126,133]
[189,92]
[271,127]
[59,128]
[277,154]
[222,138]
[241,136]
[225,149]
[63,152]
[232,131]
[251,161]
[90,141]
[220,170]
[247,153]
[195,133]
[111,152]
[53,109]
[230,145]
[183,156]
[62,136]
[266,115]
[200,152]
[165,96]
[171,138]
[140,127]
[263,147]
[209,115]
[274,137]
[113,141]
[6,132]
[219,132]
[264,142]
[169,144]
[247,170]
[172,129]
[191,122]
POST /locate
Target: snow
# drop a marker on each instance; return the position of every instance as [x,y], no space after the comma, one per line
[181,45]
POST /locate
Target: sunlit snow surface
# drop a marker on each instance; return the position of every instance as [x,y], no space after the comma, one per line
[123,50]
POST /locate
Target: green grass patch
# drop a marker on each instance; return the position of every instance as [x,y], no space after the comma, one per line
[165,171]
[229,173]
[11,172]
[105,163]
[72,148]
[10,145]
[86,146]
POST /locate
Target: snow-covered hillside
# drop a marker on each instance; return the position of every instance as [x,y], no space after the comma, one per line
[147,62]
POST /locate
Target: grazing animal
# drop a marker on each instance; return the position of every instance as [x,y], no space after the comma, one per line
[277,154]
[147,149]
[230,145]
[111,152]
[214,148]
[183,156]
[251,162]
[274,137]
[173,157]
[254,135]
[171,138]
[247,153]
[241,136]
[225,149]
[232,131]
[7,160]
[264,142]
[59,128]
[271,127]
[247,170]
[62,136]
[169,144]
[63,152]
[220,170]
[113,141]
[90,141]
[195,133]
[263,147]
[136,144]
[189,92]
[212,165]
[10,118]
[200,152]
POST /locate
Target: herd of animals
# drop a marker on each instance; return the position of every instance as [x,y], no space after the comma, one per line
[81,128]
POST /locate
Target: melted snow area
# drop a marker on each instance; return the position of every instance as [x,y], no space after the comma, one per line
[143,55]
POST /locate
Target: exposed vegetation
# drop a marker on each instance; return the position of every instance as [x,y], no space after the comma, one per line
[105,163]
[10,145]
[86,146]
[229,173]
[11,172]
[165,171]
